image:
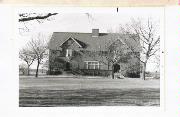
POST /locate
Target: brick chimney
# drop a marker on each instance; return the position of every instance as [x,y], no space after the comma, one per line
[95,32]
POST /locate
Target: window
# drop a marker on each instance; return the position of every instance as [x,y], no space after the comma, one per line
[92,65]
[68,52]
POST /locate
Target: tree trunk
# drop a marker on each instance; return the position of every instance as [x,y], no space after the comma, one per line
[24,70]
[28,70]
[108,65]
[143,74]
[37,69]
[113,71]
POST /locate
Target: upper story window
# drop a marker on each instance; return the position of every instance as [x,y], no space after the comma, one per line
[68,52]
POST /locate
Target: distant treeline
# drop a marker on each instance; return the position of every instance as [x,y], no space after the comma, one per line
[32,72]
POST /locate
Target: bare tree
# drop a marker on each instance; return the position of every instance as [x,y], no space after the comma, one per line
[38,47]
[117,53]
[27,56]
[147,35]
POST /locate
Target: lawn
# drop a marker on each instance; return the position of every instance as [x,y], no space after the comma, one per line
[88,92]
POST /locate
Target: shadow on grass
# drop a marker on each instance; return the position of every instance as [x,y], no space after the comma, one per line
[84,97]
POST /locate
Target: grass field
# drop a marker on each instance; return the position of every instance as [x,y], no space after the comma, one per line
[88,92]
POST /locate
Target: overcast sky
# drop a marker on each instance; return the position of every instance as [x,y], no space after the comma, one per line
[84,20]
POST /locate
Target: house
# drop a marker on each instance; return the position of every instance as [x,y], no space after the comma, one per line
[85,53]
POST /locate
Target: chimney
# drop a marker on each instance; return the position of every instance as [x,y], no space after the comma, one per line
[95,32]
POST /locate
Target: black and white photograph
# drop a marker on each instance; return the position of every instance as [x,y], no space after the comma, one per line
[83,58]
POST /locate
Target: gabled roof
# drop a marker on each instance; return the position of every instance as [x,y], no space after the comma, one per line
[88,42]
[76,41]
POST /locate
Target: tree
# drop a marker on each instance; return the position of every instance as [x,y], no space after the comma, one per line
[27,56]
[147,35]
[117,53]
[38,47]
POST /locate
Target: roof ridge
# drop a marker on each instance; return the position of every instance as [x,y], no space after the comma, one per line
[86,32]
[73,32]
[91,33]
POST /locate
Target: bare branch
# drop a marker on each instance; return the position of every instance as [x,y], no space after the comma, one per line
[153,53]
[24,18]
[155,43]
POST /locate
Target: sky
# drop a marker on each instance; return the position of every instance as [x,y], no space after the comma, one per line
[84,20]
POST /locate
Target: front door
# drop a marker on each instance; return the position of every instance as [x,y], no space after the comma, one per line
[116,68]
[67,66]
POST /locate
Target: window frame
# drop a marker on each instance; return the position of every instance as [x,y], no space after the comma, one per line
[69,52]
[95,65]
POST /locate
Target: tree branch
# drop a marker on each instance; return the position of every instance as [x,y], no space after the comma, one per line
[155,43]
[24,19]
[153,53]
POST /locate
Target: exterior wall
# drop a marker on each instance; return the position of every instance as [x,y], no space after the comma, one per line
[80,61]
[77,61]
[58,60]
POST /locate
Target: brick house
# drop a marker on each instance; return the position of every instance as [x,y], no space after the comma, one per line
[85,53]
